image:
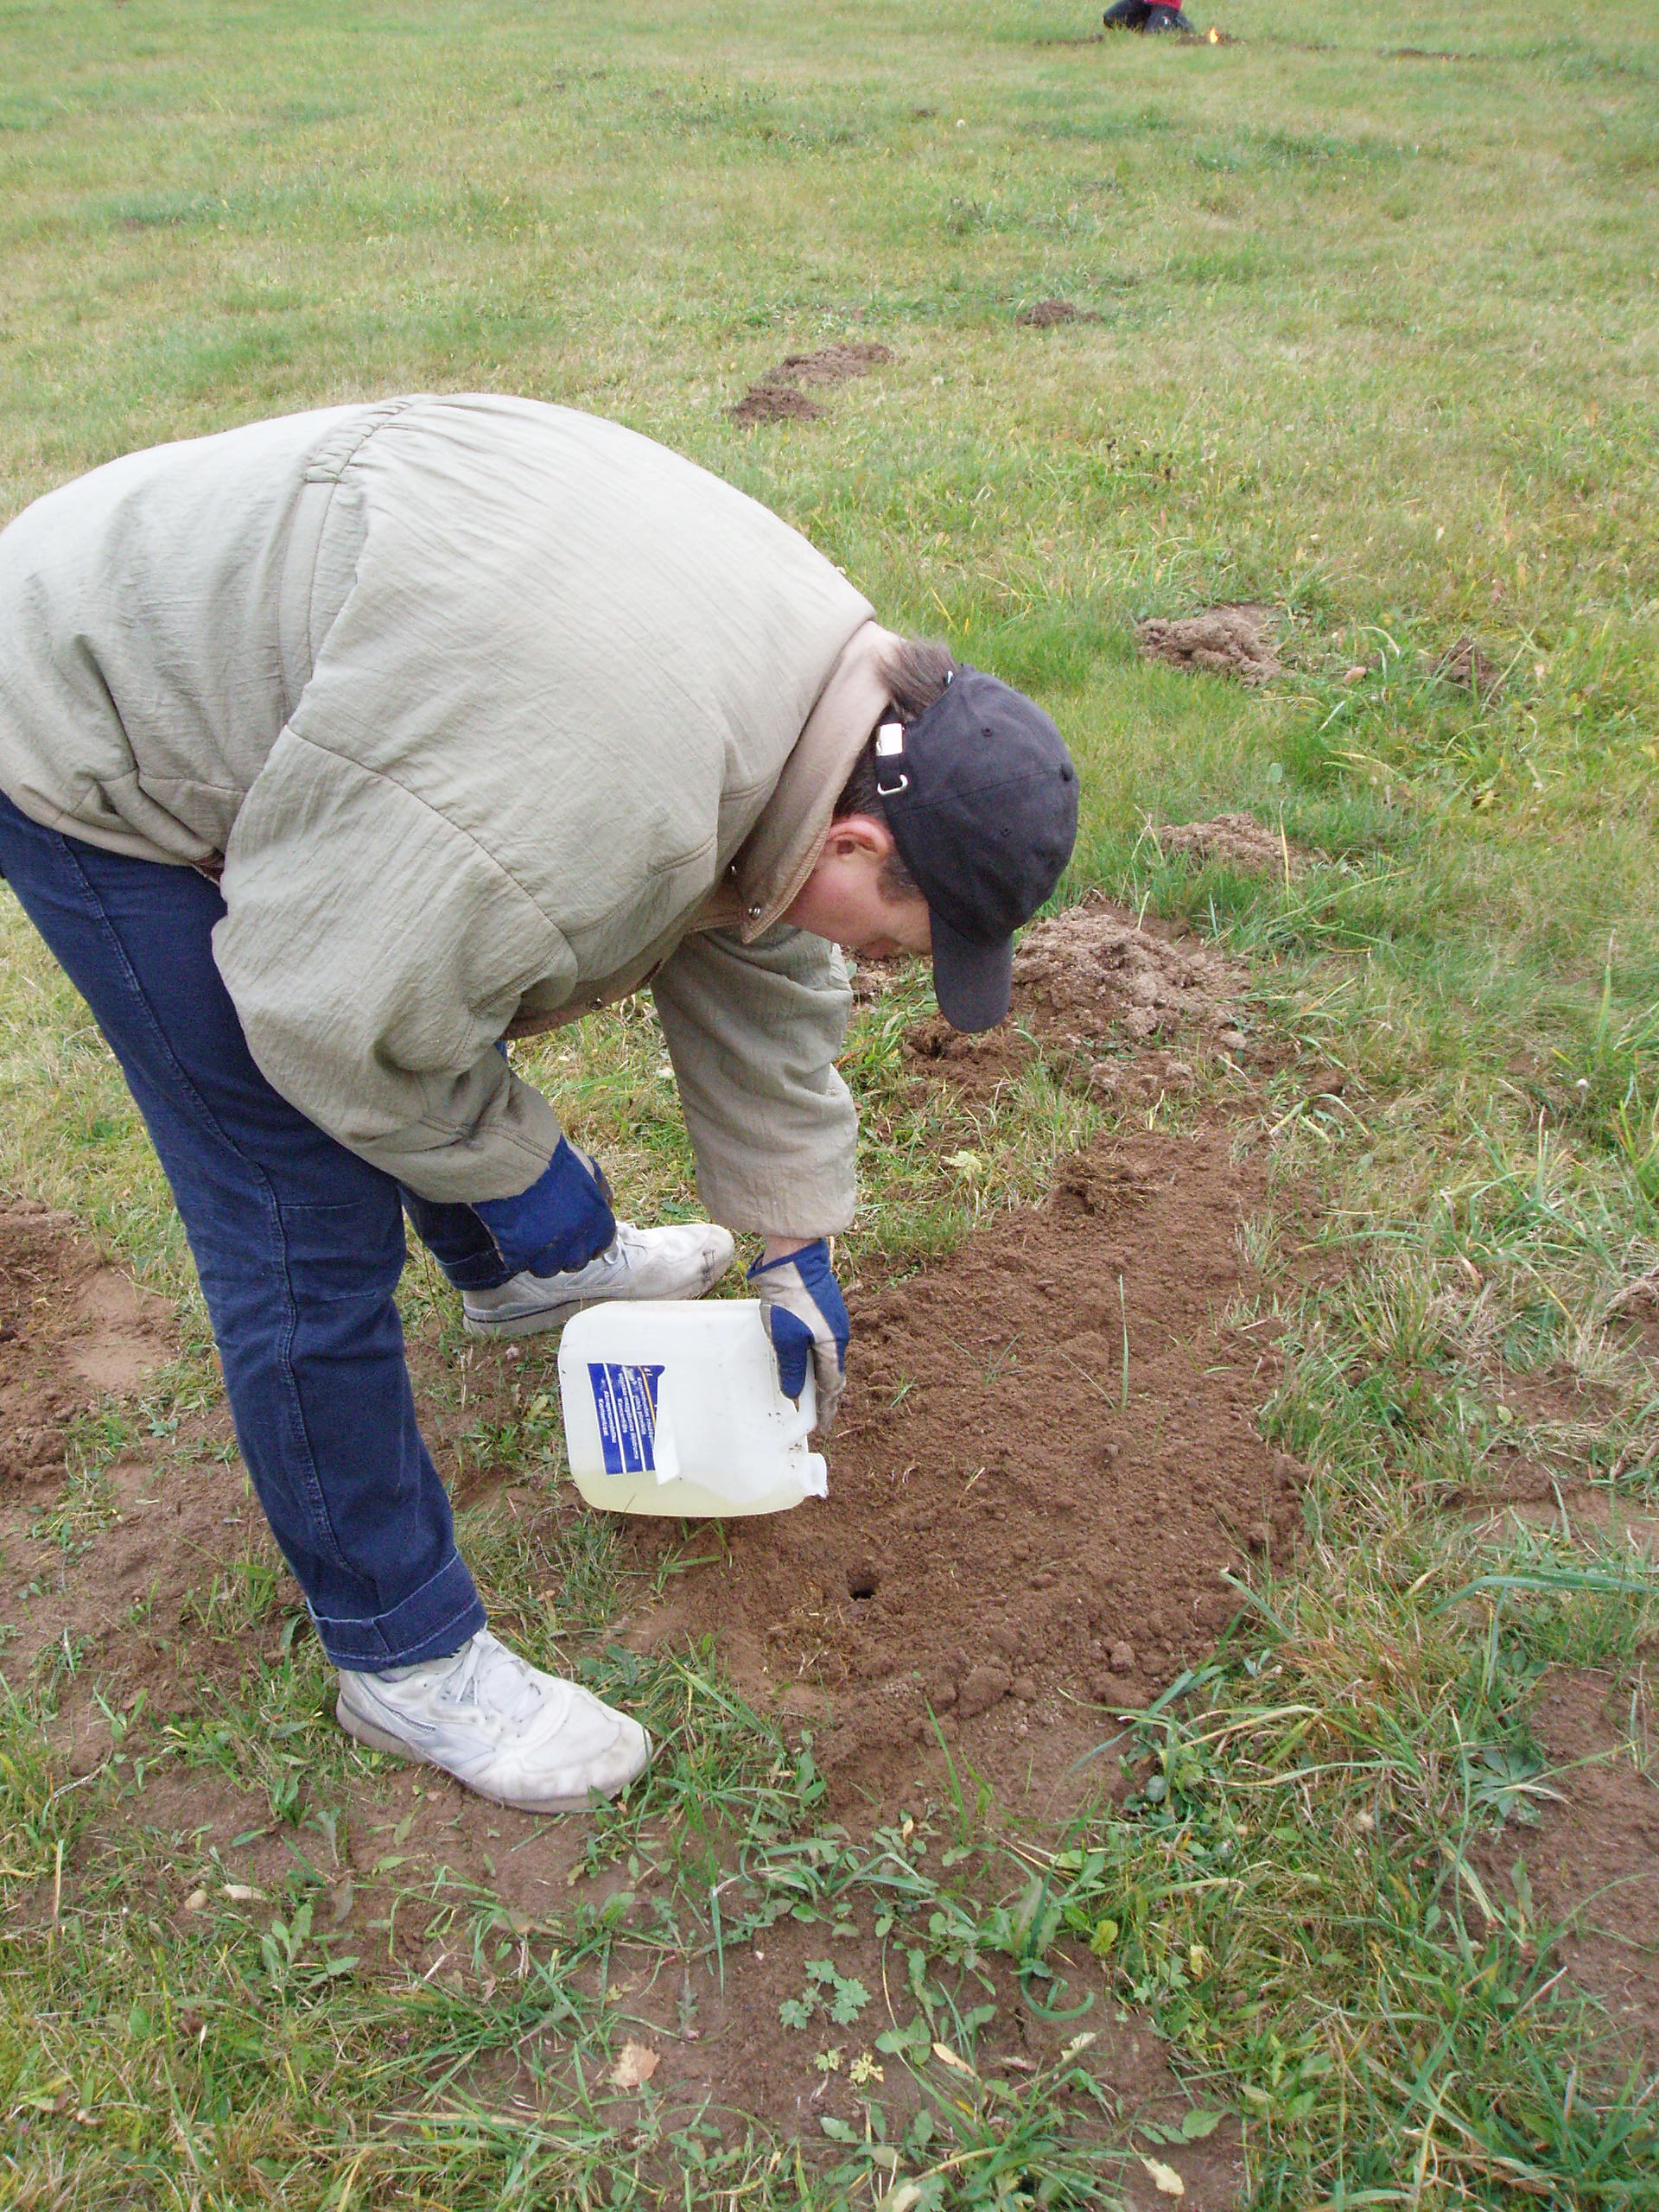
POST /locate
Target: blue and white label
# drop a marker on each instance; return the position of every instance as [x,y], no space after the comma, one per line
[624,1398]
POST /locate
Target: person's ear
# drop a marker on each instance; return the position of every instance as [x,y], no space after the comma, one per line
[874,837]
[859,833]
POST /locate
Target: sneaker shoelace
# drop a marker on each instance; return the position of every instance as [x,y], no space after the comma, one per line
[496,1683]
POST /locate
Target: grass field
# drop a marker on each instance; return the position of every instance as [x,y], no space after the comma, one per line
[1373,294]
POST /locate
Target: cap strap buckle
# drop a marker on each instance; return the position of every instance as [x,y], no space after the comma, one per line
[890,746]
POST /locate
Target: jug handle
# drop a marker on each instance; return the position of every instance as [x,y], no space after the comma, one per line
[806,1412]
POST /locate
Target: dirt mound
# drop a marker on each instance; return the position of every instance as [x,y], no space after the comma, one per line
[1238,840]
[1093,982]
[781,396]
[1468,666]
[1224,640]
[833,364]
[1019,1536]
[71,1330]
[775,402]
[1093,965]
[1047,313]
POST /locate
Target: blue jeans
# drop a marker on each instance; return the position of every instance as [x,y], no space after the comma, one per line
[299,1245]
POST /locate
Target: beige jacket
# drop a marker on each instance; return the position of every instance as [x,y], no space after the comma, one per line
[487,713]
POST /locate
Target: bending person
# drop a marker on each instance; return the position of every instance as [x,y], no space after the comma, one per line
[335,751]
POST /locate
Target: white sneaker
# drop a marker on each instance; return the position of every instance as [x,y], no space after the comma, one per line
[679,1261]
[498,1724]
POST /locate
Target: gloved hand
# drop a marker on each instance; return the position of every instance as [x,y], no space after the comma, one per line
[801,1305]
[560,1222]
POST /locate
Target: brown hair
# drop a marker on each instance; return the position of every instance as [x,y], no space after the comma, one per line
[917,671]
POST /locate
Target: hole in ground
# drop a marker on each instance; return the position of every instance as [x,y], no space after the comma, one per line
[861,1582]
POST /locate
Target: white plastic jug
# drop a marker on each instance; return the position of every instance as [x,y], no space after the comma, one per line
[674,1408]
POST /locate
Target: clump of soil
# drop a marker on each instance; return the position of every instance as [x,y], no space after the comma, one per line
[1238,840]
[1047,313]
[1015,1540]
[1470,669]
[1224,640]
[775,402]
[1093,981]
[780,396]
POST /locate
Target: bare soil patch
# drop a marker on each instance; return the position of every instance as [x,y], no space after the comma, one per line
[712,2042]
[1593,1863]
[1015,1542]
[1047,313]
[72,1328]
[1238,840]
[782,395]
[1234,641]
[1017,1549]
[1021,1542]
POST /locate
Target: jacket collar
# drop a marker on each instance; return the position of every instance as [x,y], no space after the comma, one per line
[782,850]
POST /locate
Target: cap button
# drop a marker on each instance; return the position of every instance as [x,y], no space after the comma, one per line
[755,913]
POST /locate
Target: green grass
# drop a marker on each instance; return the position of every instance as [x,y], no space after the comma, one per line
[1375,342]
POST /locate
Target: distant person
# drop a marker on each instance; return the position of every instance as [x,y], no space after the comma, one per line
[336,750]
[1141,15]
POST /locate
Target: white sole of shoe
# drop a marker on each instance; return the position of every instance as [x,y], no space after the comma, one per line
[538,1321]
[547,1321]
[379,1739]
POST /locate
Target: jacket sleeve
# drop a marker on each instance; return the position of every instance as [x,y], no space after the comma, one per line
[375,952]
[753,1032]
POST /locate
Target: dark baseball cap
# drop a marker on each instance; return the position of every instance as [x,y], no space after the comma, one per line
[982,798]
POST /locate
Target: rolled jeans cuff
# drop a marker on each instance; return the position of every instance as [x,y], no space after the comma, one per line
[430,1622]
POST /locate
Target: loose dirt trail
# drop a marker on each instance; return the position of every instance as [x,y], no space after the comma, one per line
[1016,1541]
[1047,1460]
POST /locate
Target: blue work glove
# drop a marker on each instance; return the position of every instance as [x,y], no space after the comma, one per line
[560,1222]
[801,1305]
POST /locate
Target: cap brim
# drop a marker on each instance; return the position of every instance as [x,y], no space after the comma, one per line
[973,983]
